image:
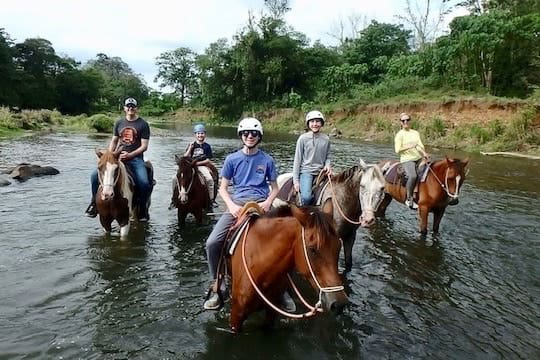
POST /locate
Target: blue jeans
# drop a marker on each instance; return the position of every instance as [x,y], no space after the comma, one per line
[140,175]
[306,183]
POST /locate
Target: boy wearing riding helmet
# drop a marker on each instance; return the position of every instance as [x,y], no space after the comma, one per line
[311,156]
[250,171]
[201,152]
[409,146]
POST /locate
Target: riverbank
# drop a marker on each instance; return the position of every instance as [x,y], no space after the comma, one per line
[468,124]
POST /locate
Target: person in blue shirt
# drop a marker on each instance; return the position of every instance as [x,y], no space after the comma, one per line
[250,171]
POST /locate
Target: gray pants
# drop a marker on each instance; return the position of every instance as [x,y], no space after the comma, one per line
[215,241]
[410,168]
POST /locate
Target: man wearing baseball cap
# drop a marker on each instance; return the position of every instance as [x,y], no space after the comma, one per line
[131,133]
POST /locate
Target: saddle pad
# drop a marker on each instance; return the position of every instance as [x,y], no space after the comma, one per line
[286,192]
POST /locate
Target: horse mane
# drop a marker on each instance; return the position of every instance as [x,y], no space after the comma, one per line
[346,174]
[317,219]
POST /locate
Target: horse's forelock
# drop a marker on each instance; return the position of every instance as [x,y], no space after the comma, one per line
[322,224]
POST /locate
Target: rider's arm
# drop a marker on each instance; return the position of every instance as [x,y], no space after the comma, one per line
[224,193]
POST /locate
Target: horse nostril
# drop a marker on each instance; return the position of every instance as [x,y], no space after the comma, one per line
[337,307]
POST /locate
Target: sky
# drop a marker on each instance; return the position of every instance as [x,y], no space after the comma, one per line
[138,31]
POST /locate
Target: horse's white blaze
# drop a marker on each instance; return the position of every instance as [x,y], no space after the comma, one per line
[183,193]
[371,193]
[108,181]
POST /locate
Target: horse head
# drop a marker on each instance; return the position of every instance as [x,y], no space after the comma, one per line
[185,175]
[371,192]
[317,256]
[109,172]
[450,174]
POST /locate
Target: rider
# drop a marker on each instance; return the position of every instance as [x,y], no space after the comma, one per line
[131,133]
[408,145]
[201,152]
[311,156]
[250,171]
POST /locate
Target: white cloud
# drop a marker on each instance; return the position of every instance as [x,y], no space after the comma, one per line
[139,31]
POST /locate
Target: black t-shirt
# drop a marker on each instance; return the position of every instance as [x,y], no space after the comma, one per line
[130,133]
[200,152]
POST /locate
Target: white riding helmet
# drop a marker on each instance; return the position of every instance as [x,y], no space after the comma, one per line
[314,114]
[250,123]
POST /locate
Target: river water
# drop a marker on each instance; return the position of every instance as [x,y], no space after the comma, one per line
[68,291]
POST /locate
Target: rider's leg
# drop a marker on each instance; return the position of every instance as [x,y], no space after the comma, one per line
[91,210]
[306,183]
[214,245]
[410,170]
[205,172]
[142,183]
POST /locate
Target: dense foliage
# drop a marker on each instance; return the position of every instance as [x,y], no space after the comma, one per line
[493,50]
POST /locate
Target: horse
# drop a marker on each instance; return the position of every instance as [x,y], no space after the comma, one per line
[190,193]
[441,187]
[367,183]
[114,198]
[303,239]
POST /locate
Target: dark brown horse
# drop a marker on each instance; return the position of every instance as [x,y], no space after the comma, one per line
[114,199]
[441,187]
[273,245]
[356,194]
[190,193]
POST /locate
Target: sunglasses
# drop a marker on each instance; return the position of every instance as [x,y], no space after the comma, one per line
[405,120]
[131,106]
[253,133]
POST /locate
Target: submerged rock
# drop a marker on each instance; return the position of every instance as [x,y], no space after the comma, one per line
[26,171]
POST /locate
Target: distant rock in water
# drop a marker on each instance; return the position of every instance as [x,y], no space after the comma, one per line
[335,132]
[26,171]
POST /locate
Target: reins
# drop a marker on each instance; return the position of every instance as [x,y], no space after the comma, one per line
[313,310]
[336,204]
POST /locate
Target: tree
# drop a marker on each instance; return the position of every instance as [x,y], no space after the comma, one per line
[178,70]
[8,90]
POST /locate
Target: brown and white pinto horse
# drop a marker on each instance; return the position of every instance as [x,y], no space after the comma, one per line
[273,245]
[114,199]
[441,188]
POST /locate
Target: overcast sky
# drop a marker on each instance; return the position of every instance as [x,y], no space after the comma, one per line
[138,31]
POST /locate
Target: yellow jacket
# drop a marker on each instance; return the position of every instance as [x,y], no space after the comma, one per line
[404,137]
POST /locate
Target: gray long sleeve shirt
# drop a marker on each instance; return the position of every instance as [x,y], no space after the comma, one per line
[311,155]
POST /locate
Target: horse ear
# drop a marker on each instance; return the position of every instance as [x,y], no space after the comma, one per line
[177,158]
[328,206]
[362,163]
[99,152]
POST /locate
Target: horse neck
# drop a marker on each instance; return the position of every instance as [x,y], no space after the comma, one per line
[344,186]
[122,185]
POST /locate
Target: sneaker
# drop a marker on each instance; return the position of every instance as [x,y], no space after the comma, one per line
[411,204]
[91,210]
[287,303]
[213,302]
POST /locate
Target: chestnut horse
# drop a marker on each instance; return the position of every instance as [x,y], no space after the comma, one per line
[190,195]
[367,183]
[441,188]
[273,245]
[114,199]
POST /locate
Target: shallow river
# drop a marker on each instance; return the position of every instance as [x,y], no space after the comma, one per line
[68,291]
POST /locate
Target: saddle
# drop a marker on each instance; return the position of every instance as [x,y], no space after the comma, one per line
[394,174]
[249,211]
[286,192]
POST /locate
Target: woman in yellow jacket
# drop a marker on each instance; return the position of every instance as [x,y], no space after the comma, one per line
[408,145]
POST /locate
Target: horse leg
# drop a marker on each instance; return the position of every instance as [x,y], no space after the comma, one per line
[423,213]
[124,230]
[238,313]
[348,243]
[181,217]
[106,222]
[198,216]
[437,217]
[381,211]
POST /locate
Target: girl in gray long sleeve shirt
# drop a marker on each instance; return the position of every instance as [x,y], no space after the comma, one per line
[311,156]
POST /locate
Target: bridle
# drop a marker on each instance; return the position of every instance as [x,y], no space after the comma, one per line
[313,310]
[445,185]
[184,193]
[101,182]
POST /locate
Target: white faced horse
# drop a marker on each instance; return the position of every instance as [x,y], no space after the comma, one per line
[356,194]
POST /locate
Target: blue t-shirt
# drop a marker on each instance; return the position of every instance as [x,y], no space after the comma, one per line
[250,175]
